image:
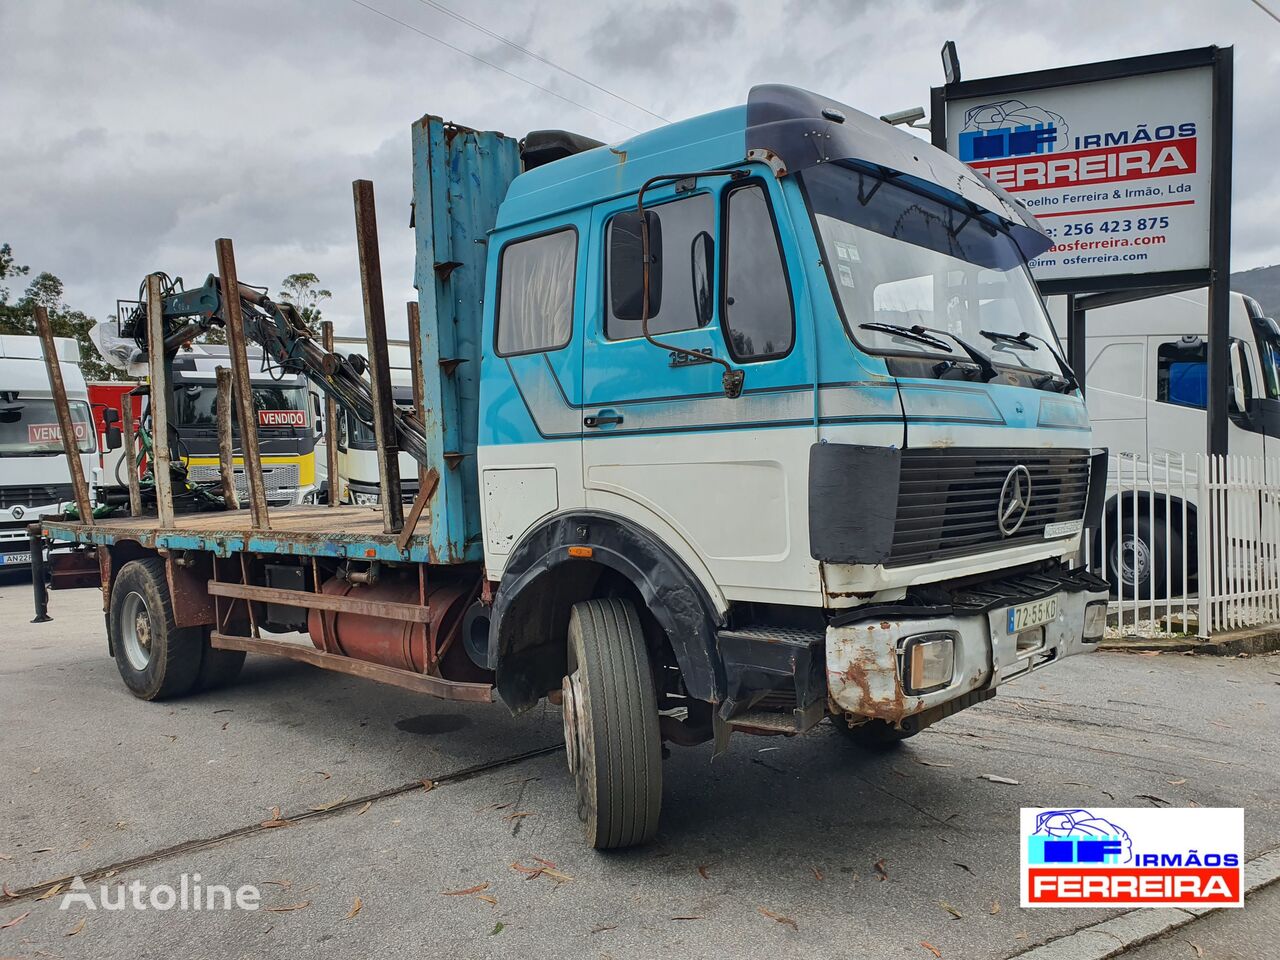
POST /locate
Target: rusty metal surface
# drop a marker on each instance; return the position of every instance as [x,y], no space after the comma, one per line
[374,637]
[70,447]
[129,442]
[430,479]
[188,575]
[159,365]
[243,388]
[79,568]
[418,682]
[415,373]
[405,612]
[375,328]
[226,446]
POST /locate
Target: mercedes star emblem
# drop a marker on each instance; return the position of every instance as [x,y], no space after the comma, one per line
[1015,500]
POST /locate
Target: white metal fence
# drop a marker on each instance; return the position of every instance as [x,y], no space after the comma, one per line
[1190,545]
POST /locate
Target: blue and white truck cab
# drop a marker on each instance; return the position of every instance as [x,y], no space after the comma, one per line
[749,421]
[846,468]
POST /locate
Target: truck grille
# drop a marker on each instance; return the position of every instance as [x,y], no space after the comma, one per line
[948,499]
[280,479]
[36,495]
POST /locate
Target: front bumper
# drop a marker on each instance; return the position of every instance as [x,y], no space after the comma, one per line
[865,648]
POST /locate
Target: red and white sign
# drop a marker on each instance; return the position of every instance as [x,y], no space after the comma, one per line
[282,418]
[45,434]
[1132,857]
[1139,161]
[1118,171]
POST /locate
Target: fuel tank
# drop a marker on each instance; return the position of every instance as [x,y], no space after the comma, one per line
[394,643]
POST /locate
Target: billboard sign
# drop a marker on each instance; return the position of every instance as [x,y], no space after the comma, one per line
[1115,160]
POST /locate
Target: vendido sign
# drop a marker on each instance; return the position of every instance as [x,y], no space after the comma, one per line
[1115,159]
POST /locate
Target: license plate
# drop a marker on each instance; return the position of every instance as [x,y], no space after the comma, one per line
[1037,613]
[15,559]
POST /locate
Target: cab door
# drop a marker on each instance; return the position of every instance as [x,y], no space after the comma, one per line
[720,478]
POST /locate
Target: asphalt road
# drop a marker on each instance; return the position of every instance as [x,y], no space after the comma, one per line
[779,848]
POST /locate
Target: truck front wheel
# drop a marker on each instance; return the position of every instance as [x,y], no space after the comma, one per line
[156,659]
[611,725]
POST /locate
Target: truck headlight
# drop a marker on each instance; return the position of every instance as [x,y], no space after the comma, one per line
[928,662]
[1095,621]
[365,499]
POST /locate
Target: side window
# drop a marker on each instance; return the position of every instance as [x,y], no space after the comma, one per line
[758,319]
[1182,373]
[686,293]
[535,293]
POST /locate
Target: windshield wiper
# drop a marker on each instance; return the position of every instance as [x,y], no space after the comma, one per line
[917,333]
[1024,339]
[985,366]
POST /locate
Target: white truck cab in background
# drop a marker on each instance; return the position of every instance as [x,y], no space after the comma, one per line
[1146,386]
[357,480]
[35,479]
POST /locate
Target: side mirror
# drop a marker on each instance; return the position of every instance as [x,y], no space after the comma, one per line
[627,266]
[114,438]
[701,263]
[110,416]
[1239,400]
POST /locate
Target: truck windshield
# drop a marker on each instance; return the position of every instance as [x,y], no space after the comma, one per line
[29,427]
[1269,352]
[896,257]
[196,405]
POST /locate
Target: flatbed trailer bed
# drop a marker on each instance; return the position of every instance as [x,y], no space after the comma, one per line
[352,532]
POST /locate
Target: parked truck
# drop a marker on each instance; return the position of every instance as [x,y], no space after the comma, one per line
[357,447]
[34,478]
[1147,381]
[746,422]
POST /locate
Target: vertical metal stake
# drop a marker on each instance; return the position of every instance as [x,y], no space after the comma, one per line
[375,328]
[40,588]
[129,436]
[242,388]
[70,445]
[226,446]
[330,423]
[159,403]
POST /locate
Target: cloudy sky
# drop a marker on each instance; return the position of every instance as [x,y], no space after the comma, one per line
[135,132]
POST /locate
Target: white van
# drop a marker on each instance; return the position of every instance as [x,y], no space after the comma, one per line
[1146,387]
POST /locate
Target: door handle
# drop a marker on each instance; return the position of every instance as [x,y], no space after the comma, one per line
[602,420]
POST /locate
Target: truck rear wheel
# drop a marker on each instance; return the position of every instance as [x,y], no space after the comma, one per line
[611,725]
[217,667]
[156,659]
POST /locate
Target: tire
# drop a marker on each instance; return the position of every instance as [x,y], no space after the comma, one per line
[1137,560]
[875,736]
[218,668]
[611,725]
[156,659]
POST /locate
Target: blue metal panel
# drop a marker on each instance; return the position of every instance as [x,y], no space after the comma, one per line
[460,177]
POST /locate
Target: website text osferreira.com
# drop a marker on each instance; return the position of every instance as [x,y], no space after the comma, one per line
[1054,256]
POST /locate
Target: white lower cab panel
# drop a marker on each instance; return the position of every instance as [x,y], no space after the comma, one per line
[515,498]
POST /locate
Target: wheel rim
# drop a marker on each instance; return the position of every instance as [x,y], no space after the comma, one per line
[1132,559]
[135,631]
[577,743]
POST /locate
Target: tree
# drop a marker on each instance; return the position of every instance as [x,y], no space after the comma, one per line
[304,292]
[18,316]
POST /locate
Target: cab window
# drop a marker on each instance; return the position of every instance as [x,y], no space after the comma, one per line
[1182,373]
[756,308]
[535,293]
[686,283]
